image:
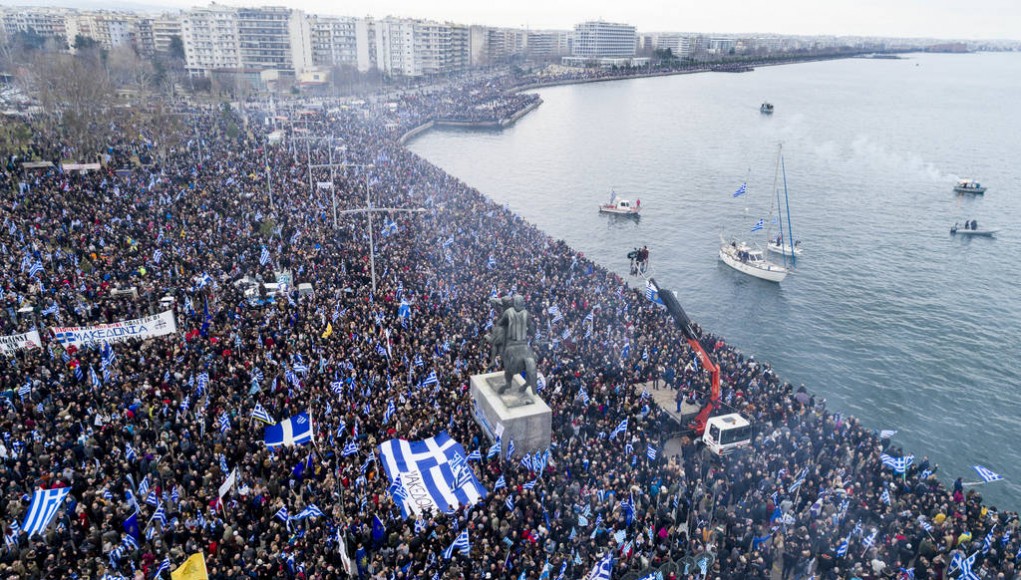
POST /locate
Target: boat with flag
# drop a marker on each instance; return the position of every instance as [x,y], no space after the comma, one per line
[621,206]
[749,259]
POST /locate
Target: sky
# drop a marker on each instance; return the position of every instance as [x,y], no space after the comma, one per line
[947,19]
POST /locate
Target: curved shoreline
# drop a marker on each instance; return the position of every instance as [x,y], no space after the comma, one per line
[509,121]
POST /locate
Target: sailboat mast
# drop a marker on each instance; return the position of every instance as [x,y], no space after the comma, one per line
[787,202]
[773,202]
[783,252]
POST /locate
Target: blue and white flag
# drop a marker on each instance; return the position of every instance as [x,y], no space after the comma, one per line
[163,567]
[282,514]
[264,256]
[44,505]
[626,351]
[759,225]
[621,428]
[260,413]
[157,256]
[391,409]
[510,449]
[741,190]
[294,431]
[404,309]
[603,569]
[427,471]
[842,548]
[430,380]
[350,449]
[555,311]
[652,293]
[500,483]
[650,452]
[494,450]
[898,464]
[461,543]
[987,475]
[311,510]
[871,539]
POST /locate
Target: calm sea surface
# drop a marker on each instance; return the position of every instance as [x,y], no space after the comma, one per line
[888,317]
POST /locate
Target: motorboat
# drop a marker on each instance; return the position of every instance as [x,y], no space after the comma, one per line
[968,186]
[766,108]
[752,261]
[965,231]
[618,206]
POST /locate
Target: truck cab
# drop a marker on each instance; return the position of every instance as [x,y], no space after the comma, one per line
[725,433]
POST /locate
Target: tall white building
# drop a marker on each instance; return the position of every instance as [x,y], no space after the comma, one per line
[409,47]
[597,39]
[49,22]
[334,40]
[225,37]
[210,36]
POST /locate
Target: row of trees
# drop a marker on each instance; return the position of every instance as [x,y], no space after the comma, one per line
[74,95]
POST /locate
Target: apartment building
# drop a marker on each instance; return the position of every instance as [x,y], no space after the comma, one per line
[334,40]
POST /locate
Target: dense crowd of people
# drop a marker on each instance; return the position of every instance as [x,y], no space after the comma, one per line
[148,430]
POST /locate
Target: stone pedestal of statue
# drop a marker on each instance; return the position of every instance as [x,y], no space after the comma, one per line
[524,419]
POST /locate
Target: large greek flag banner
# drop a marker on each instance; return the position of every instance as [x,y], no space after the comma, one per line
[434,473]
[290,432]
[45,503]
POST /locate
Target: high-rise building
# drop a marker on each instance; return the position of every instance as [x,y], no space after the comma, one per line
[547,44]
[421,47]
[164,29]
[597,39]
[225,37]
[334,40]
[47,22]
[210,37]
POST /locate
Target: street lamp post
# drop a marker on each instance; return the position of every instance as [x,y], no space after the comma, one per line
[369,210]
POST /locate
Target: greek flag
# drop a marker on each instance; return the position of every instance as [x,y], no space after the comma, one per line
[494,450]
[500,483]
[510,449]
[310,511]
[842,548]
[871,539]
[986,474]
[108,356]
[741,190]
[160,515]
[603,569]
[491,263]
[282,514]
[350,449]
[224,422]
[41,510]
[94,378]
[434,472]
[651,453]
[897,464]
[885,498]
[294,431]
[52,309]
[264,256]
[759,225]
[404,310]
[163,567]
[509,502]
[260,413]
[129,452]
[555,312]
[460,543]
[626,351]
[34,270]
[621,428]
[295,236]
[430,380]
[157,256]
[390,410]
[651,293]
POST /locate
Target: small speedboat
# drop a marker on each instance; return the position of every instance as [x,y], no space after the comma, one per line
[618,206]
[968,186]
[956,231]
[766,108]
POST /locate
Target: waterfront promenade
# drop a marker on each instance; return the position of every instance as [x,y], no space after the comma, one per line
[175,414]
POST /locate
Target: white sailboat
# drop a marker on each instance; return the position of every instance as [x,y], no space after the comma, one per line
[789,247]
[750,260]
